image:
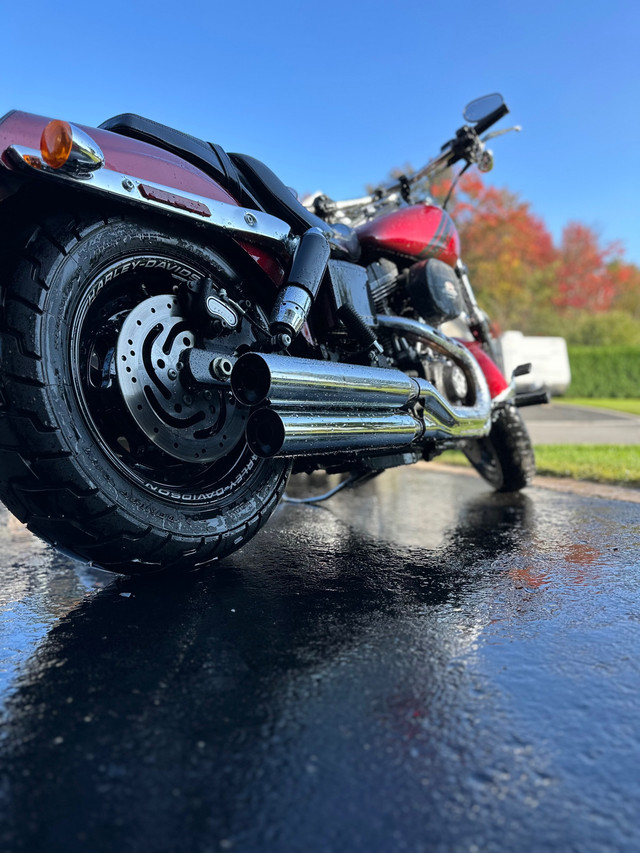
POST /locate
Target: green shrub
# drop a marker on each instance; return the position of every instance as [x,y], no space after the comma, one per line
[615,328]
[611,371]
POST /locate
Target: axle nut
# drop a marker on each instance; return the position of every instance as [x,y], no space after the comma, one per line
[220,368]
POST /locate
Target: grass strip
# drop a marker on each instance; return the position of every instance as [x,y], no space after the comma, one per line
[630,406]
[600,463]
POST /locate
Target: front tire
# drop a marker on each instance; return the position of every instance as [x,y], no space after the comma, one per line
[78,464]
[505,457]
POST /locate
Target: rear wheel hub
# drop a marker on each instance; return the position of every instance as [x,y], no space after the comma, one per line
[189,424]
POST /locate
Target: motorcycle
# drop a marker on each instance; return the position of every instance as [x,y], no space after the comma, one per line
[178,333]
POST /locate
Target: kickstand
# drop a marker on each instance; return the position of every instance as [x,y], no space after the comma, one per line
[352,482]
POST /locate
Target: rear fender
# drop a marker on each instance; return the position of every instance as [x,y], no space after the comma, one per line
[137,174]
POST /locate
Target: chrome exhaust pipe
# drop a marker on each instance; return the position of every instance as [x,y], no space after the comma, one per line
[301,383]
[312,402]
[293,433]
[449,421]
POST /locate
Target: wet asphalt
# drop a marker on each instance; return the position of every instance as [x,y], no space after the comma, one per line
[559,423]
[418,665]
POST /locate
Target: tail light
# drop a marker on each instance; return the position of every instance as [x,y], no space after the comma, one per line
[65,147]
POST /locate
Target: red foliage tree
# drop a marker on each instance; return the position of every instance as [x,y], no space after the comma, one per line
[522,279]
[586,279]
[627,287]
[508,249]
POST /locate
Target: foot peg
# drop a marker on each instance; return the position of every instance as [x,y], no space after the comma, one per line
[532,398]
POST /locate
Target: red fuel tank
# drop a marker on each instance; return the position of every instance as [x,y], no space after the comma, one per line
[416,232]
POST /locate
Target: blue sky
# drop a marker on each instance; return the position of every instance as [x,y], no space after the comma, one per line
[332,96]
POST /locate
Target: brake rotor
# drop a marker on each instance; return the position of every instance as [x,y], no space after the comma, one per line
[191,425]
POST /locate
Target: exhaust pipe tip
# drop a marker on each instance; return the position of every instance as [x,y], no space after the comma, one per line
[265,433]
[250,379]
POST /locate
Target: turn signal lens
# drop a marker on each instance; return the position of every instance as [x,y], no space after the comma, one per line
[56,143]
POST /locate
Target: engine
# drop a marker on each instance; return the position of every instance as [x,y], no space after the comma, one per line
[431,288]
[384,280]
[431,291]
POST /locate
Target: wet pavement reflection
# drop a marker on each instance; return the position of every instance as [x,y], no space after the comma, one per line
[418,665]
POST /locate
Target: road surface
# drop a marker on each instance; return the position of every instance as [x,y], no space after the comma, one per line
[417,666]
[559,423]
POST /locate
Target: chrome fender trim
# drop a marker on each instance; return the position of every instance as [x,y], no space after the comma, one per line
[252,226]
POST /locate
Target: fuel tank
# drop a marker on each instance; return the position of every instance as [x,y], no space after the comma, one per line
[415,232]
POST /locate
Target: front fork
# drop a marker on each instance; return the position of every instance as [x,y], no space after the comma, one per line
[483,349]
[478,320]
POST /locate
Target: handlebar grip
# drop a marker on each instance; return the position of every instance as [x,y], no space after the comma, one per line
[495,116]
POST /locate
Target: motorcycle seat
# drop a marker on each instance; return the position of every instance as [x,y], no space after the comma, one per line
[278,199]
[248,180]
[207,156]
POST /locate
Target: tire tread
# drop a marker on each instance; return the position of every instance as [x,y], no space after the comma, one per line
[40,478]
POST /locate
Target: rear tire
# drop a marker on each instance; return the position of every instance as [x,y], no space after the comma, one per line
[75,464]
[505,457]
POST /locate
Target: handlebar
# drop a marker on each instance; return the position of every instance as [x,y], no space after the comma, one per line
[451,152]
[485,123]
[466,141]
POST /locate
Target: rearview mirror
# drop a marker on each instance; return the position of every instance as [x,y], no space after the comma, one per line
[482,107]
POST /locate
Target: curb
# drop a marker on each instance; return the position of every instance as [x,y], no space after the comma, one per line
[586,488]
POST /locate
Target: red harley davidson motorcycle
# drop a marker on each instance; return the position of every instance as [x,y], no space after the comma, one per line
[178,332]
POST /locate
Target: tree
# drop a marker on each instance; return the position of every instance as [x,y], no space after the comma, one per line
[508,250]
[523,280]
[585,278]
[627,288]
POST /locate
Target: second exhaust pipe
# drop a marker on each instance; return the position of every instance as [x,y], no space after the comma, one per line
[295,433]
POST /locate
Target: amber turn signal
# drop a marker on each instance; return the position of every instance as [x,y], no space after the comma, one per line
[56,143]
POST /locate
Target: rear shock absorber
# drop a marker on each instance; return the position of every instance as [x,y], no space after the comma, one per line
[296,297]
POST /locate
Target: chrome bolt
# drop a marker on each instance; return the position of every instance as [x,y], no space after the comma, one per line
[250,219]
[220,368]
[187,399]
[172,374]
[281,341]
[128,184]
[207,395]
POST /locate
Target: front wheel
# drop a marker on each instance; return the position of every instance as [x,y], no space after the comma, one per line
[505,457]
[104,450]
